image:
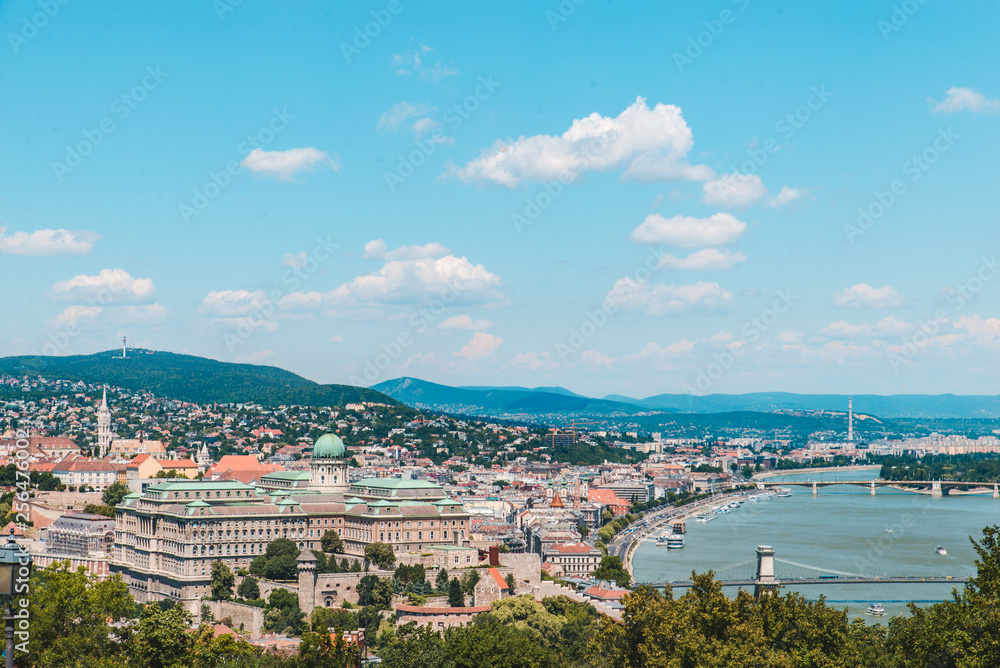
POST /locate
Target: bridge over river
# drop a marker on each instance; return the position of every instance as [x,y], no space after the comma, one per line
[931,487]
[766,573]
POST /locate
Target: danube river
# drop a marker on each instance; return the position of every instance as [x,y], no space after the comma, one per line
[842,528]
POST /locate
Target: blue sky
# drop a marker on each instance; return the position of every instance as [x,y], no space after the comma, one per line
[703,197]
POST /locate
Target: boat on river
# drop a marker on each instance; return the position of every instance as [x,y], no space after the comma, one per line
[876,610]
[940,550]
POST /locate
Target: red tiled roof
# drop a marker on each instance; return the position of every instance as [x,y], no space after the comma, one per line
[178,464]
[600,592]
[499,579]
[571,548]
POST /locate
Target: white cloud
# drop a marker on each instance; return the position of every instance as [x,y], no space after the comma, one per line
[689,232]
[734,190]
[707,259]
[336,338]
[786,196]
[233,303]
[983,331]
[596,358]
[479,346]
[663,299]
[295,260]
[110,286]
[663,356]
[863,295]
[534,361]
[133,316]
[394,117]
[409,281]
[464,322]
[790,337]
[47,242]
[284,164]
[653,143]
[378,249]
[889,326]
[75,316]
[413,61]
[965,99]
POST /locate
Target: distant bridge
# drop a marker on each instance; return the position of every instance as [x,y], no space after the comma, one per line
[766,573]
[931,487]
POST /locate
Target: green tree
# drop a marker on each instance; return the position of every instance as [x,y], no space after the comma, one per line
[380,554]
[282,612]
[161,638]
[281,547]
[612,570]
[69,617]
[456,597]
[114,493]
[511,583]
[441,581]
[249,589]
[375,591]
[222,581]
[282,567]
[470,580]
[332,542]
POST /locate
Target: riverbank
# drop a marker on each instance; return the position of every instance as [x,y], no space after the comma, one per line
[819,469]
[682,513]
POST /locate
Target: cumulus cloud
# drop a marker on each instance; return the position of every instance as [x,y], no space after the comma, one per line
[409,281]
[596,358]
[378,249]
[786,196]
[464,322]
[663,299]
[863,295]
[415,61]
[984,331]
[652,143]
[688,232]
[479,346]
[121,316]
[734,190]
[109,286]
[889,326]
[707,259]
[285,164]
[233,303]
[400,112]
[964,99]
[47,242]
[534,361]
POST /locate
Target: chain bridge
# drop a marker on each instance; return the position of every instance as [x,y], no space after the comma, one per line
[766,572]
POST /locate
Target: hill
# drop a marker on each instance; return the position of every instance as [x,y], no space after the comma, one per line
[892,406]
[191,378]
[499,402]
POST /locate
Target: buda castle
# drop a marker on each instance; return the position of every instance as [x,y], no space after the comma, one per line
[167,537]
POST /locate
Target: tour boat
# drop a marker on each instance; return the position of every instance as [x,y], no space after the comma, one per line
[940,550]
[675,541]
[876,610]
[783,493]
[701,519]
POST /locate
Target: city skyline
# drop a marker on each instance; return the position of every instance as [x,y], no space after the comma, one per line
[475,200]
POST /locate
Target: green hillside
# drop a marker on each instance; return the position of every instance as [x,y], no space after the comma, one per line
[191,378]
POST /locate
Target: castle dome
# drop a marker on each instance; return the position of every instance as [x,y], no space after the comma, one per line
[329,446]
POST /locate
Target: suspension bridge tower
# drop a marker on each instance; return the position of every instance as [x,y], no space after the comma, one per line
[766,583]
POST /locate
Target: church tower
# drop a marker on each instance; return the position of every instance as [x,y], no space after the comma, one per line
[103,427]
[204,459]
[329,465]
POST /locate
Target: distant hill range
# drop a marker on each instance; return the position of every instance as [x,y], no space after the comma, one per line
[191,378]
[502,401]
[548,400]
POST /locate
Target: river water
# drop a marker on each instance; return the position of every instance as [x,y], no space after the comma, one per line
[842,528]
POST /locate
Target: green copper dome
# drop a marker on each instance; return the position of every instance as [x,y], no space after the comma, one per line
[329,446]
